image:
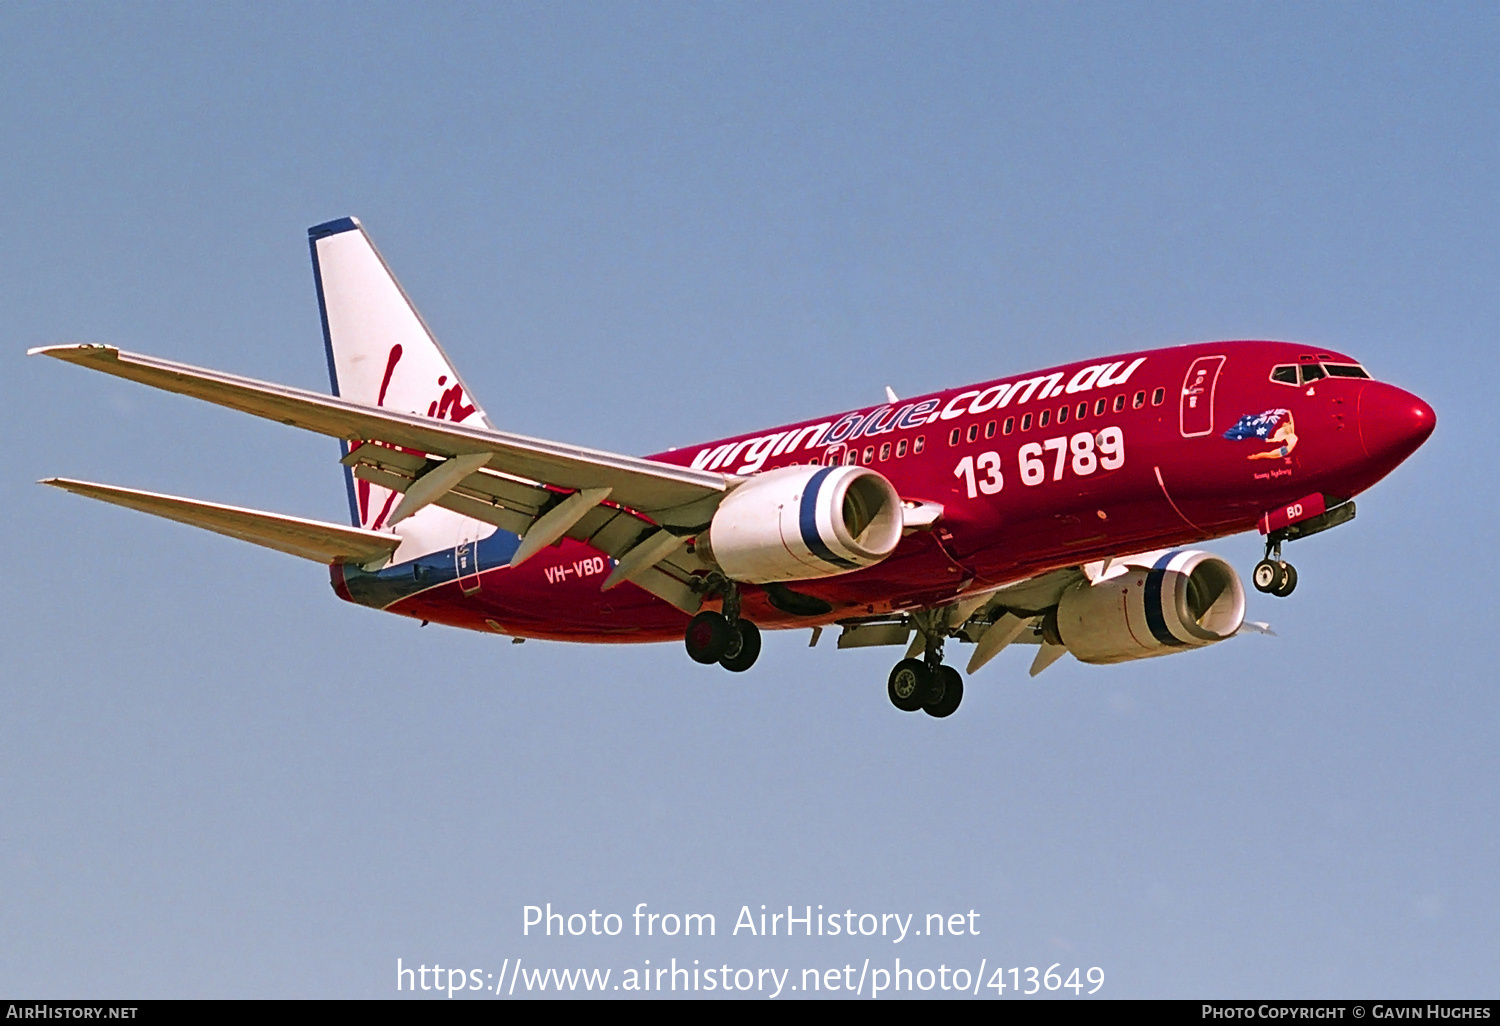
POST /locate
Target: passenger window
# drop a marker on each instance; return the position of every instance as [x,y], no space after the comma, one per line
[1312,372]
[989,430]
[1286,374]
[1158,396]
[1083,408]
[1119,402]
[916,446]
[1062,414]
[1026,422]
[851,457]
[1344,370]
[1100,407]
[1138,401]
[885,452]
[1010,425]
[901,448]
[1043,418]
[973,432]
[869,454]
[953,437]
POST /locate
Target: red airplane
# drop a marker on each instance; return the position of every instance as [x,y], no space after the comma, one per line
[1045,507]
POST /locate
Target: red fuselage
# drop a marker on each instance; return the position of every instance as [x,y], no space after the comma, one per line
[1033,472]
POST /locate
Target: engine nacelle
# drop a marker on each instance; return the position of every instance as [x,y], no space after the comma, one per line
[1162,602]
[800,523]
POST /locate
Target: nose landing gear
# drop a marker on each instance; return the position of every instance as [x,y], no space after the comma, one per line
[926,683]
[1274,575]
[723,638]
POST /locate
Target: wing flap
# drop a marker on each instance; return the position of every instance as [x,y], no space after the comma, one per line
[310,539]
[609,529]
[654,488]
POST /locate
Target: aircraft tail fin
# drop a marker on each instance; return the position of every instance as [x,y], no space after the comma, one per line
[381,353]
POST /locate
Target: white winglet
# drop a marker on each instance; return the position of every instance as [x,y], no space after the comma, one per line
[890,396]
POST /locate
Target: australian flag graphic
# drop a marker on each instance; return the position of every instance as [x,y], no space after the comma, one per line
[1256,425]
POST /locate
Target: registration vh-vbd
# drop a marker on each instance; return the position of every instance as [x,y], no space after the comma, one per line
[1048,508]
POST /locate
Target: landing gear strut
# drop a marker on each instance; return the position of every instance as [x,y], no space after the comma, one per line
[724,638]
[926,683]
[1274,575]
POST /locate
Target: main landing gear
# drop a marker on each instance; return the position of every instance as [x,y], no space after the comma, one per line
[724,638]
[926,683]
[1274,575]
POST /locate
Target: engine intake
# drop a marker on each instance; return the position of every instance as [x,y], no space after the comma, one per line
[1163,602]
[804,522]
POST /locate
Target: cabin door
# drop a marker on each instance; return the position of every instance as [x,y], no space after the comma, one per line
[466,557]
[1196,415]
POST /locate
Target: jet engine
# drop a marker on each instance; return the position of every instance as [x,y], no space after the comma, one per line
[1151,605]
[803,522]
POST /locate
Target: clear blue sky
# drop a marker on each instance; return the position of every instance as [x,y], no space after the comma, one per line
[640,226]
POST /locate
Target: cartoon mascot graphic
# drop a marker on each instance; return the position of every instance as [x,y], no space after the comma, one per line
[1274,426]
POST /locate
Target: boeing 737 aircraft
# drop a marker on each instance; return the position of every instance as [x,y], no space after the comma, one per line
[1047,507]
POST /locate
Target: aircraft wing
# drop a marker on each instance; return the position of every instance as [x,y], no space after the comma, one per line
[670,495]
[517,506]
[310,539]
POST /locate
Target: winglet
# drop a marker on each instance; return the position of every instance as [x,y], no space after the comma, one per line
[77,351]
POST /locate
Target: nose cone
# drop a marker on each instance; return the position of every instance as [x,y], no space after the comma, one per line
[1392,423]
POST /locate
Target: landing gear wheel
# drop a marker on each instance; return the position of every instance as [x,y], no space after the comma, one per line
[944,693]
[1287,582]
[1266,576]
[908,685]
[743,649]
[708,637]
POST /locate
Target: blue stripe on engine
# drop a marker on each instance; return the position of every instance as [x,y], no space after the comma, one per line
[1155,618]
[807,521]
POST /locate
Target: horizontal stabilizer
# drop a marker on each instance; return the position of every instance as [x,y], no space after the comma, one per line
[310,539]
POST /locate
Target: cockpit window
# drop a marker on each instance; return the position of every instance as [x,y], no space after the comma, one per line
[1287,374]
[1311,372]
[1345,370]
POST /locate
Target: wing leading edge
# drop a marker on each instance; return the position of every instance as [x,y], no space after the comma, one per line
[670,495]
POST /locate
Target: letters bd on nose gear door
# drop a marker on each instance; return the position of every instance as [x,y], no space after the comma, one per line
[1196,416]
